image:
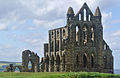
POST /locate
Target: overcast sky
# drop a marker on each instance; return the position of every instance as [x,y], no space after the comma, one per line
[24,24]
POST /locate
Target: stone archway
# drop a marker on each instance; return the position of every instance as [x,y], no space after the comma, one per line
[52,63]
[63,59]
[92,60]
[105,62]
[47,63]
[58,63]
[85,60]
[30,66]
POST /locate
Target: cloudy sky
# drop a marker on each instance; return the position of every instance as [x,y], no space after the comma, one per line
[24,24]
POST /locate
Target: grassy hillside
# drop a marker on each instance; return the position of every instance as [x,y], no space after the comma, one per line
[57,75]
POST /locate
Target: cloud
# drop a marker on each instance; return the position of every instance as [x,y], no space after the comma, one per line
[116,34]
[44,10]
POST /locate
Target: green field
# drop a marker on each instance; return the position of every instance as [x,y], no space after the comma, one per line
[57,75]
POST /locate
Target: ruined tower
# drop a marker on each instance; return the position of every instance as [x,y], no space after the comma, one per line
[78,46]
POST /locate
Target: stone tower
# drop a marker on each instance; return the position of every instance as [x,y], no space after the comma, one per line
[78,46]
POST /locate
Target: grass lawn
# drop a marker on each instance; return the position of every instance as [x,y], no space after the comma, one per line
[56,75]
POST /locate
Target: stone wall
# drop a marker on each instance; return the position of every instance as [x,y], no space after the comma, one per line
[78,46]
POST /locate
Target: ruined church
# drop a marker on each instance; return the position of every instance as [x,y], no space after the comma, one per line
[78,46]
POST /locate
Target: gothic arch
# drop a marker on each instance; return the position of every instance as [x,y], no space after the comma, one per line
[30,65]
[77,60]
[85,14]
[77,33]
[52,63]
[105,61]
[58,63]
[92,60]
[92,34]
[63,59]
[47,63]
[85,34]
[57,45]
[85,60]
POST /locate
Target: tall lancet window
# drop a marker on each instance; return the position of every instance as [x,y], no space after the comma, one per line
[84,35]
[85,14]
[77,29]
[79,16]
[92,34]
[89,18]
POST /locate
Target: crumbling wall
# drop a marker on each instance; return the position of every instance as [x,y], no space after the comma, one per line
[28,56]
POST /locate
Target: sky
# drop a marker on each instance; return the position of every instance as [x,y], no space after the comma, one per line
[24,24]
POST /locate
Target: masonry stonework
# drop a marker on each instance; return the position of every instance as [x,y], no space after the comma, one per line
[78,46]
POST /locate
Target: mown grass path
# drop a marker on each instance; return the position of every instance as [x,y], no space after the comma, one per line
[56,75]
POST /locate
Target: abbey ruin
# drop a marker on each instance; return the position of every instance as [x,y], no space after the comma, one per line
[77,47]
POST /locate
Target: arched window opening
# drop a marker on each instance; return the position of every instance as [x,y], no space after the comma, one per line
[85,14]
[63,44]
[52,34]
[77,31]
[79,16]
[58,63]
[29,55]
[105,61]
[30,65]
[84,35]
[92,61]
[57,33]
[77,61]
[51,48]
[105,46]
[92,34]
[84,61]
[52,63]
[89,18]
[57,45]
[63,32]
[63,62]
[111,62]
[17,69]
[47,64]
[42,60]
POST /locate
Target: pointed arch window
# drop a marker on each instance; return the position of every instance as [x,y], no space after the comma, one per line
[92,61]
[63,32]
[47,63]
[30,65]
[57,45]
[51,47]
[64,62]
[85,14]
[63,44]
[105,46]
[84,35]
[84,60]
[77,30]
[92,34]
[58,63]
[77,60]
[52,63]
[52,34]
[105,61]
[57,33]
[79,16]
[89,18]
